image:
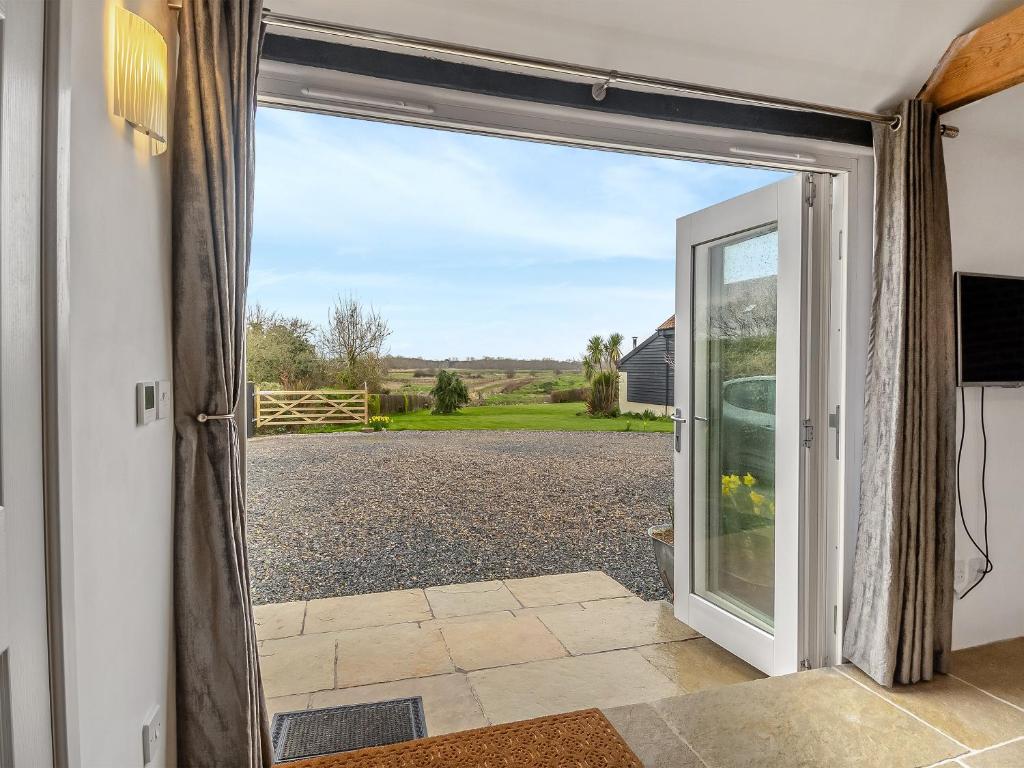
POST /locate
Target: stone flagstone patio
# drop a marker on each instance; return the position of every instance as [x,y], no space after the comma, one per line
[488,652]
[498,651]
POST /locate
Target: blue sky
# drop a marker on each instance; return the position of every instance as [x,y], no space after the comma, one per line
[470,245]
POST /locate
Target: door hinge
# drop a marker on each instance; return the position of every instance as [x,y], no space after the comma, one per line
[808,433]
[812,191]
[835,619]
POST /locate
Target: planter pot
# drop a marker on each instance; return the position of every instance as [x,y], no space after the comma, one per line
[664,554]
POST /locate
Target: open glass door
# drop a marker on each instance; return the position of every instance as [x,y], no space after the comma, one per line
[739,383]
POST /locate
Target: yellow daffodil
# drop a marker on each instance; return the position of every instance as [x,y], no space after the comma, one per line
[756,498]
[749,479]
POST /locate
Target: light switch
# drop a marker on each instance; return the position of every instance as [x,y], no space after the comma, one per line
[163,399]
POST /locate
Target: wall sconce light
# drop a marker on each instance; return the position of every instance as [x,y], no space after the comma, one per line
[140,75]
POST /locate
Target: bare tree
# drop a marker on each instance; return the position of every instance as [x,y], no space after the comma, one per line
[355,336]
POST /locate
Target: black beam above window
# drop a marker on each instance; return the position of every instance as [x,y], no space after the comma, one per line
[421,70]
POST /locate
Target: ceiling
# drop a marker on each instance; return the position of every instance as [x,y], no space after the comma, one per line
[860,54]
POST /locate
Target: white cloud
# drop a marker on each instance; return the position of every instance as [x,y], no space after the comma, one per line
[309,180]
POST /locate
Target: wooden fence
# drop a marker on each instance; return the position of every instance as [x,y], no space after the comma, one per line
[285,408]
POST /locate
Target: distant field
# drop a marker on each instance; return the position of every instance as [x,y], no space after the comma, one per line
[490,387]
[555,417]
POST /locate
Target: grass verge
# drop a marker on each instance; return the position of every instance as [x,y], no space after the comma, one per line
[554,417]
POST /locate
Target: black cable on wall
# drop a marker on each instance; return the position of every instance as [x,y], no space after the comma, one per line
[984,552]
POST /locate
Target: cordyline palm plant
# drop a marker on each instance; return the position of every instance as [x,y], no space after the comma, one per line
[600,366]
[602,355]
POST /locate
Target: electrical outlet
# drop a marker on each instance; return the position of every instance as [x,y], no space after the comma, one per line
[975,567]
[966,574]
[960,574]
[152,733]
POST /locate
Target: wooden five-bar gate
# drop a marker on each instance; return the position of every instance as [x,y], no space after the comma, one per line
[298,407]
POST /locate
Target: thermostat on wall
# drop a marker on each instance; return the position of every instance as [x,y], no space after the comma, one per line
[145,402]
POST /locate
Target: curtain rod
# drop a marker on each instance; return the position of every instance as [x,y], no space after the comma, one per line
[603,78]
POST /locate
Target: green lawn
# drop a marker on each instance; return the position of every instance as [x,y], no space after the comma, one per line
[557,417]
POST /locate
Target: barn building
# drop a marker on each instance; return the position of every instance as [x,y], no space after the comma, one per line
[646,373]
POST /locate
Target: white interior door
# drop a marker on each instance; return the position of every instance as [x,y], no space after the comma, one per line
[739,432]
[25,736]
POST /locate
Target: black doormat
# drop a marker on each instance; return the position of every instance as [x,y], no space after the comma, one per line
[313,732]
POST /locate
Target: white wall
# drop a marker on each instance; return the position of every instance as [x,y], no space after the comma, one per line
[985,168]
[121,474]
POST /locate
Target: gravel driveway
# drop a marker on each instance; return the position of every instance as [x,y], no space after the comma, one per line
[348,513]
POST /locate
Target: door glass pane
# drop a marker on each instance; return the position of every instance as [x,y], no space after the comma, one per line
[734,330]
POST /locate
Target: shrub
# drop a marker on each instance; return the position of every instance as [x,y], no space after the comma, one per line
[647,415]
[385,405]
[604,394]
[576,395]
[281,351]
[510,374]
[368,371]
[449,393]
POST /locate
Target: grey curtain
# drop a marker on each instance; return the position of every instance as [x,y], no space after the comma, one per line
[899,628]
[221,714]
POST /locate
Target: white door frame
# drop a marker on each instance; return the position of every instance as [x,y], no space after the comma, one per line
[56,381]
[282,85]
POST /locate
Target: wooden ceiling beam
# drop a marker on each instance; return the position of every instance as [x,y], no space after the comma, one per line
[979,63]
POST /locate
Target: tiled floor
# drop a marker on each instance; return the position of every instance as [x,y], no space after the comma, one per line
[498,651]
[839,718]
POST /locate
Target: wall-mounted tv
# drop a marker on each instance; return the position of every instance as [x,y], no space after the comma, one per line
[990,330]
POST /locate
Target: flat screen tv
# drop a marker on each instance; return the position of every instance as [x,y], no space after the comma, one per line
[990,330]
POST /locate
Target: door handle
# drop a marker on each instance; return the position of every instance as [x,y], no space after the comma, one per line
[679,420]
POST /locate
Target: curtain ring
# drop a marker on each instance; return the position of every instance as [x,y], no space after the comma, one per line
[202,418]
[897,122]
[600,90]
